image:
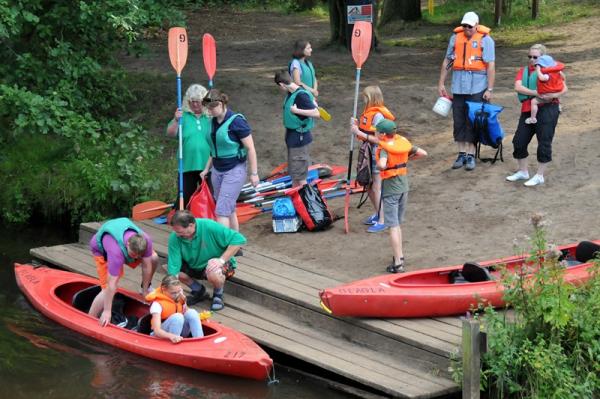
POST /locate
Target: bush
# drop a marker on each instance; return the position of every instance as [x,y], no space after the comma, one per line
[548,346]
[68,149]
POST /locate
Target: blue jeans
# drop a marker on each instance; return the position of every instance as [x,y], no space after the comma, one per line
[183,324]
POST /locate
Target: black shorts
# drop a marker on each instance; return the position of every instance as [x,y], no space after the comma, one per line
[200,274]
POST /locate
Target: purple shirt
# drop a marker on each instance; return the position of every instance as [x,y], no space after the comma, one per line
[114,256]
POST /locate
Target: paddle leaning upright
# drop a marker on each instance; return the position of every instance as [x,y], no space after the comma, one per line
[209,56]
[361,45]
[178,50]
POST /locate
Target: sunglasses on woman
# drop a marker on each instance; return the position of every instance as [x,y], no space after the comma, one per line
[466,26]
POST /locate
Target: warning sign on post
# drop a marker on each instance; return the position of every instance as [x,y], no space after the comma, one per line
[360,13]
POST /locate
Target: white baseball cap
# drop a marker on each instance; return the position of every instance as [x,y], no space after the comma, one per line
[470,18]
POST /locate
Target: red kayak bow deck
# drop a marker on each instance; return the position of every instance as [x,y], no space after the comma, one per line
[222,350]
[430,293]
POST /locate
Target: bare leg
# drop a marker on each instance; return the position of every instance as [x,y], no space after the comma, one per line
[542,168]
[375,196]
[396,241]
[97,305]
[523,165]
[534,110]
[148,272]
[224,220]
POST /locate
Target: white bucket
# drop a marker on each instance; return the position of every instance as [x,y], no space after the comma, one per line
[442,106]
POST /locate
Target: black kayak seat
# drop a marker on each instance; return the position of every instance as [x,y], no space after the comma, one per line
[475,273]
[144,325]
[586,251]
[83,299]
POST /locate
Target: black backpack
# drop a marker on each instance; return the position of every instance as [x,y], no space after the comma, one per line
[364,173]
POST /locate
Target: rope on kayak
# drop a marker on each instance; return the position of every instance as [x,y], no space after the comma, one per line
[272,380]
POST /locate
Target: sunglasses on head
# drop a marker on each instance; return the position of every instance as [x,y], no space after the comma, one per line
[532,57]
[467,26]
[211,103]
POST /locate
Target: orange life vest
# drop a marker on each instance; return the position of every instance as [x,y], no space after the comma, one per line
[397,150]
[169,306]
[469,51]
[365,123]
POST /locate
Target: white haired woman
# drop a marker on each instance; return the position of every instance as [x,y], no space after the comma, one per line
[196,130]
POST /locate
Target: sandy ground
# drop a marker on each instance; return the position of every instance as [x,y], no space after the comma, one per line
[453,215]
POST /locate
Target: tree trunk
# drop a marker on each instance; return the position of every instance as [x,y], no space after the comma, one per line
[498,12]
[405,10]
[534,9]
[337,21]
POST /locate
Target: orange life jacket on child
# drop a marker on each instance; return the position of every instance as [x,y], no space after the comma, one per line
[469,51]
[169,306]
[397,149]
[365,123]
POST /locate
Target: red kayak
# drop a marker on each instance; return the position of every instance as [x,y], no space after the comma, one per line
[443,291]
[59,294]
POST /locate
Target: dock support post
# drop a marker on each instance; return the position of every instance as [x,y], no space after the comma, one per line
[471,358]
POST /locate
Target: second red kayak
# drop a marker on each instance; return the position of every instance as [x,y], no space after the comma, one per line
[443,291]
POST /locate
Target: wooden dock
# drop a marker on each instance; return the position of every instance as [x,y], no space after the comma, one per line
[275,302]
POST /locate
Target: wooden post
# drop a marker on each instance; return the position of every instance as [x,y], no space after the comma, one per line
[471,358]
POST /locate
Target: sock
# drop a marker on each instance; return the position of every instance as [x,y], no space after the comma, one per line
[196,286]
[218,292]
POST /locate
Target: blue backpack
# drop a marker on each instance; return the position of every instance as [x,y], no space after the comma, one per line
[484,119]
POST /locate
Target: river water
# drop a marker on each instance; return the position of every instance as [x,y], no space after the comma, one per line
[41,359]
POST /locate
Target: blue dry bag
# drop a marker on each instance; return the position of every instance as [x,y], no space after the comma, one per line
[484,119]
[283,208]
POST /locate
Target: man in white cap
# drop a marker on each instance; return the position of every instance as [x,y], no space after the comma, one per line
[471,55]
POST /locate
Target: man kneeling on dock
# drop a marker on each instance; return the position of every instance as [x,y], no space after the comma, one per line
[202,249]
[119,242]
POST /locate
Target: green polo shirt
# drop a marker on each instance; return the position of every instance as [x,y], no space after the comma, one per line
[195,134]
[210,241]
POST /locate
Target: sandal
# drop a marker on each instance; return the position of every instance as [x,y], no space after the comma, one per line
[217,303]
[394,268]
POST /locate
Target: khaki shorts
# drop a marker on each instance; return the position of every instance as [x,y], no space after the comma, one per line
[298,162]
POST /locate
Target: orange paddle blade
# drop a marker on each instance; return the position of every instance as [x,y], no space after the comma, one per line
[361,42]
[149,209]
[209,54]
[178,48]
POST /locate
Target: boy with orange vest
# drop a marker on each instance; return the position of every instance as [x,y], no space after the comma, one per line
[392,155]
[171,318]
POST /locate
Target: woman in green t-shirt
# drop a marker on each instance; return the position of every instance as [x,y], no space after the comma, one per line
[196,128]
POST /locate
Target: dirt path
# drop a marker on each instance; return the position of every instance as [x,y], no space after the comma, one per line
[452,216]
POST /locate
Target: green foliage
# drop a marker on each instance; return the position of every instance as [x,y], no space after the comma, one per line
[548,345]
[516,27]
[69,150]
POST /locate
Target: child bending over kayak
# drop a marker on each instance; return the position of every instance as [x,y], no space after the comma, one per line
[171,318]
[392,155]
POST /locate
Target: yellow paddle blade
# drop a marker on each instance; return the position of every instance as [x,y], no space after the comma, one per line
[324,114]
[178,48]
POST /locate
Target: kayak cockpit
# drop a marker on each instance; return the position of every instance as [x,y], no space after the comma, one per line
[128,312]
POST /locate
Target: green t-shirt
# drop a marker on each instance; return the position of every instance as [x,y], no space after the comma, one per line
[195,134]
[210,241]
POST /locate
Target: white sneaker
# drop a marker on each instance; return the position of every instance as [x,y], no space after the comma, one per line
[519,175]
[535,180]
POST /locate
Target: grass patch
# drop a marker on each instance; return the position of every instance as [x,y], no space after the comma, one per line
[516,29]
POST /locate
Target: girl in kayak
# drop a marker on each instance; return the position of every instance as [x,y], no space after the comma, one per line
[171,318]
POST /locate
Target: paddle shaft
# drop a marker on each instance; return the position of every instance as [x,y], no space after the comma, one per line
[356,88]
[180,137]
